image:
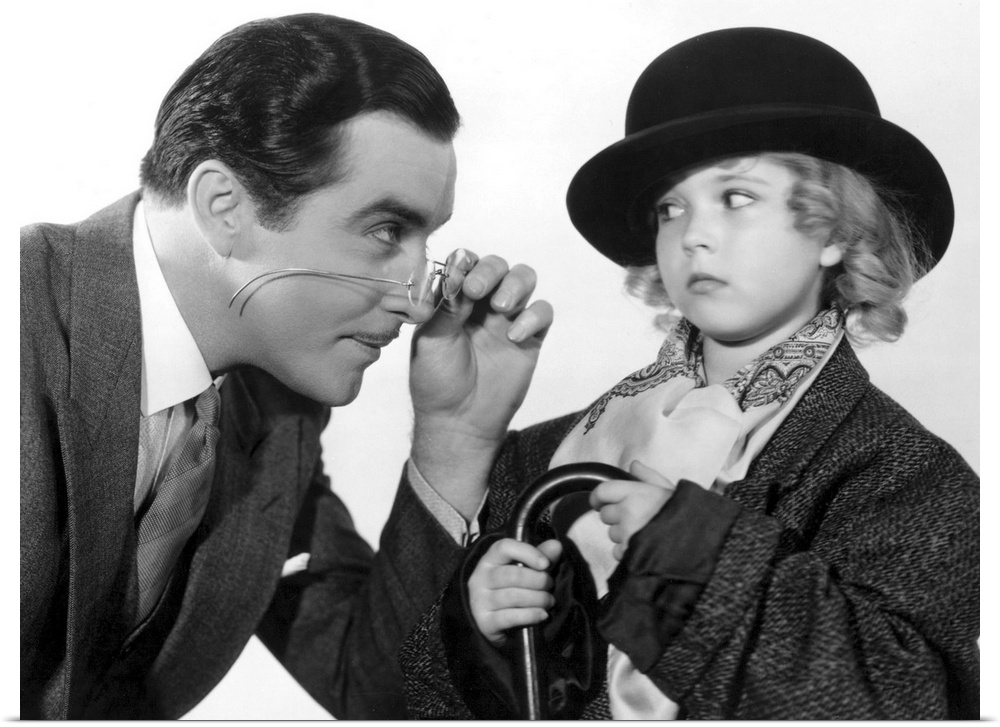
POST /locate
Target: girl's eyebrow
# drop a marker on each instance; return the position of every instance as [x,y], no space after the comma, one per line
[742,177]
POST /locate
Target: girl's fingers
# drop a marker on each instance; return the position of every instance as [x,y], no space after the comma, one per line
[508,550]
[551,549]
[511,618]
[647,474]
[516,598]
[610,514]
[610,492]
[513,576]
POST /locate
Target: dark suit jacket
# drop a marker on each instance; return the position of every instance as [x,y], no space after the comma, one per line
[336,627]
[843,583]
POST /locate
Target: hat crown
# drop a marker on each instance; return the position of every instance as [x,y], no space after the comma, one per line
[743,68]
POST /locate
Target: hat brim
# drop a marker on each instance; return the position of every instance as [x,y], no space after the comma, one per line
[603,195]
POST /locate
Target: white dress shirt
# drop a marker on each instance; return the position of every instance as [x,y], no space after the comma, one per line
[173,369]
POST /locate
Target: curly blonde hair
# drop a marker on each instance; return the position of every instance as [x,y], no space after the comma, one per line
[840,206]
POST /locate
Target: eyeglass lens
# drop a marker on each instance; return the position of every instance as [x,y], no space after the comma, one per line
[431,289]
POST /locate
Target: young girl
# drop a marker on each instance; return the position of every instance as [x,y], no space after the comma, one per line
[795,544]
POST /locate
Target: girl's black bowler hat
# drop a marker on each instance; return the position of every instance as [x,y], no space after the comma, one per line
[749,90]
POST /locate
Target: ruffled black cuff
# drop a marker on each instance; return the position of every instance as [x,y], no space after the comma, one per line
[654,589]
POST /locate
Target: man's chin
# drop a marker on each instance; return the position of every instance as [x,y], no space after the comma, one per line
[344,394]
[339,391]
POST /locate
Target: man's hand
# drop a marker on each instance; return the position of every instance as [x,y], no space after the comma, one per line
[470,367]
[627,506]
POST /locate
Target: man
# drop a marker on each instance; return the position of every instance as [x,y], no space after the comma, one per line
[180,351]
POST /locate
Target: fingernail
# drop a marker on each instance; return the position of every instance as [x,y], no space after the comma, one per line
[474,286]
[458,256]
[501,300]
[516,333]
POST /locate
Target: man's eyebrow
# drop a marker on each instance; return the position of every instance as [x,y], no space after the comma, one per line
[392,207]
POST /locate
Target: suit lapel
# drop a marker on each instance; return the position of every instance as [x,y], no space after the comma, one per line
[99,448]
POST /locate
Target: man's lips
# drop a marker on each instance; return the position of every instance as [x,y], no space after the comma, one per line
[376,340]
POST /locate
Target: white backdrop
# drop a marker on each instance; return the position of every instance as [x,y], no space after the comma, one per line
[541,86]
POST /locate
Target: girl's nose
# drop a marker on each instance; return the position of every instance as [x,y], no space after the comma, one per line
[699,232]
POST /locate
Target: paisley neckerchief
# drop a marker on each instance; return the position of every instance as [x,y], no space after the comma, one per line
[770,377]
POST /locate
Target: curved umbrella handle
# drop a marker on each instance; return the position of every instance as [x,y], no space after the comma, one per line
[554,484]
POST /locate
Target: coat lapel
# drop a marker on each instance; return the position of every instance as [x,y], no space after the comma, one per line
[780,466]
[99,447]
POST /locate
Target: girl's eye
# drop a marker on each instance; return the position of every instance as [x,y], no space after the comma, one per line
[735,199]
[386,233]
[666,211]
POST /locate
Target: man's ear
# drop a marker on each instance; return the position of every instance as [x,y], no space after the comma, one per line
[219,205]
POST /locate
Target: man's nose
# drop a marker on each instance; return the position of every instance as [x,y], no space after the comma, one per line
[412,303]
[416,312]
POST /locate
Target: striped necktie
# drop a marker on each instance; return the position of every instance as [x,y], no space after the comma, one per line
[178,504]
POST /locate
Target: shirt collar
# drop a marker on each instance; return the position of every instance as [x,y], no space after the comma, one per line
[173,369]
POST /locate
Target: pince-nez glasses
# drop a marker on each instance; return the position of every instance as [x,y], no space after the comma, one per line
[426,283]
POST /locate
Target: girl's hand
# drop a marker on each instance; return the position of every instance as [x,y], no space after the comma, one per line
[627,506]
[504,595]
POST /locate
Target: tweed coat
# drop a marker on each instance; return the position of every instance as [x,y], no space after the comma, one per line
[336,627]
[846,583]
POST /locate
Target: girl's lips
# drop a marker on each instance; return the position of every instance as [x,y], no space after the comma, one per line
[703,283]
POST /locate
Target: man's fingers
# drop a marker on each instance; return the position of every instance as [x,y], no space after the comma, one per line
[457,266]
[484,277]
[533,322]
[514,289]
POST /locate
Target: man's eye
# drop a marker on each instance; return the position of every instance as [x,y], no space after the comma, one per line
[735,199]
[386,233]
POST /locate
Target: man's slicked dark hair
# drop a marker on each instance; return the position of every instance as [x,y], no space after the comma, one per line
[267,99]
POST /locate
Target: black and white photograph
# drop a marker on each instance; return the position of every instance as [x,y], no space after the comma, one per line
[554,360]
